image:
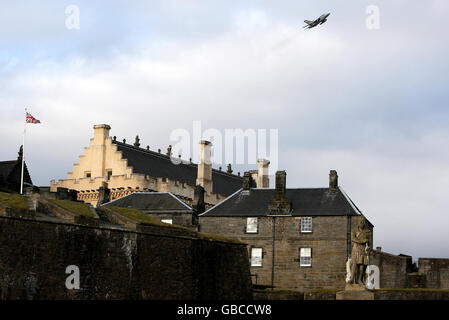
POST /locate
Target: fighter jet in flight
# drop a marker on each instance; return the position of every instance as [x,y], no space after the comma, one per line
[320,20]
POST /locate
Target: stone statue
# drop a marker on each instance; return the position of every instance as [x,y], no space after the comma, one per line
[359,256]
[137,142]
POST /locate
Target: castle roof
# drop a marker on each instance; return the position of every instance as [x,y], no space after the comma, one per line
[158,165]
[151,201]
[305,202]
[6,167]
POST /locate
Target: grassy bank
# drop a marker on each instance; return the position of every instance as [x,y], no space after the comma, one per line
[14,200]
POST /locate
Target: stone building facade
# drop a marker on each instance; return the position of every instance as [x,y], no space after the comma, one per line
[126,168]
[297,238]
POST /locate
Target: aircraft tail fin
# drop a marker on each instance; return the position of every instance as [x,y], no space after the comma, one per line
[308,21]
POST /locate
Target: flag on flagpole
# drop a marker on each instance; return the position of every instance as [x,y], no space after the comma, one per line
[31,119]
[28,119]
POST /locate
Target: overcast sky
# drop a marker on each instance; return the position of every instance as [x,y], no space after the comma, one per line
[371,104]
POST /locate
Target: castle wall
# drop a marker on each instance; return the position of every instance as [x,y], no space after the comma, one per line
[393,269]
[436,272]
[115,263]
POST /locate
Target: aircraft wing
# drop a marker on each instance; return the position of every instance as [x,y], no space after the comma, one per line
[309,24]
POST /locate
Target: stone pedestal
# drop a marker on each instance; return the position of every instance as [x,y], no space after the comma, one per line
[355,292]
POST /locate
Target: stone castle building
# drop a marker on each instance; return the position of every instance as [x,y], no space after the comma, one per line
[126,169]
[297,239]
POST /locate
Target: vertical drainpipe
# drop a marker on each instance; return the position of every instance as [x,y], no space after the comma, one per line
[272,256]
[348,237]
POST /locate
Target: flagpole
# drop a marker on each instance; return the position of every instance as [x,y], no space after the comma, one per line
[23,153]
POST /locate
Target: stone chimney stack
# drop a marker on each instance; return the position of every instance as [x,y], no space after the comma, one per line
[204,177]
[98,143]
[333,181]
[247,180]
[198,200]
[19,158]
[104,194]
[101,132]
[263,180]
[280,204]
[281,182]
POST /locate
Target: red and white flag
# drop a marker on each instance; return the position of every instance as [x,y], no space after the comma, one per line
[31,119]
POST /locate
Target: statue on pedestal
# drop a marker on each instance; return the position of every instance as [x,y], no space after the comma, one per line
[360,250]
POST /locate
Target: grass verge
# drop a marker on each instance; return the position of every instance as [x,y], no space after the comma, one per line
[14,200]
[76,208]
[140,217]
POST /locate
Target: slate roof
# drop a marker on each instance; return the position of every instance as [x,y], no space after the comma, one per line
[151,201]
[158,165]
[305,202]
[6,167]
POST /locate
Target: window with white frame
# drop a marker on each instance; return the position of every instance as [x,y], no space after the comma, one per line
[251,225]
[306,224]
[305,257]
[169,221]
[256,257]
